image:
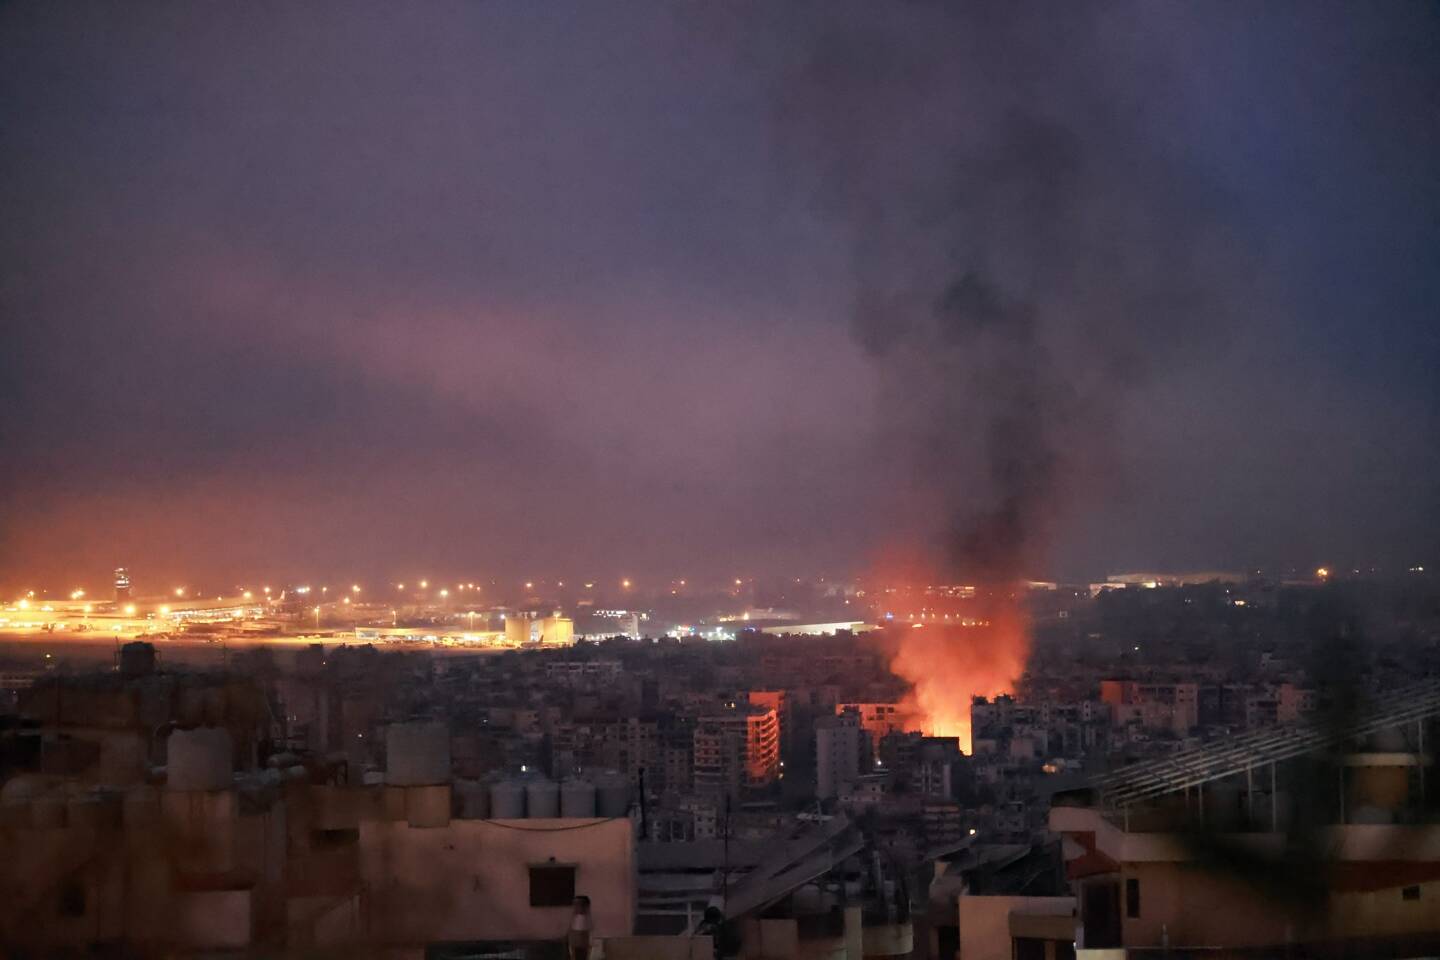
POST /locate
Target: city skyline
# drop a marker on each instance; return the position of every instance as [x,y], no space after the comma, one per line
[695,290]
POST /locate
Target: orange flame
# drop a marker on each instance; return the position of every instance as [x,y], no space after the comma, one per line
[948,666]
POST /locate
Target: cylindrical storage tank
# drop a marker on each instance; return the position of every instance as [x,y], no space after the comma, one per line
[612,794]
[470,800]
[542,799]
[507,800]
[199,759]
[577,798]
[47,811]
[417,754]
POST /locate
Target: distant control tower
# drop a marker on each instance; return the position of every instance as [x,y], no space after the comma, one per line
[122,584]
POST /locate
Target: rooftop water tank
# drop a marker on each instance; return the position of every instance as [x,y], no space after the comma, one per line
[470,800]
[507,800]
[577,798]
[612,792]
[199,759]
[542,799]
[417,754]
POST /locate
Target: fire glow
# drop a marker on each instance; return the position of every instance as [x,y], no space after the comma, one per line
[948,666]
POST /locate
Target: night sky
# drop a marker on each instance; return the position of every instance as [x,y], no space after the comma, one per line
[540,289]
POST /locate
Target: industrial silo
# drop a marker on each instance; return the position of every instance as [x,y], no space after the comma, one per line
[577,798]
[507,800]
[542,799]
[199,759]
[417,754]
[517,629]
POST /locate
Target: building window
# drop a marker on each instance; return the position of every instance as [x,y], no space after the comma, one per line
[1132,898]
[552,885]
[1410,893]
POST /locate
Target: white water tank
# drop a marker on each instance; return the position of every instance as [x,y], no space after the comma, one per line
[507,800]
[577,798]
[199,759]
[542,799]
[417,754]
[471,800]
[612,792]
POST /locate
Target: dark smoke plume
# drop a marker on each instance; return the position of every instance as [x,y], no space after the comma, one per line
[1020,242]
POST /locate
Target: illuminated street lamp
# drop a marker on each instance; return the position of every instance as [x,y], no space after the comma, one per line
[247,594]
[76,594]
[355,588]
[424,584]
[625,584]
[130,610]
[444,594]
[179,591]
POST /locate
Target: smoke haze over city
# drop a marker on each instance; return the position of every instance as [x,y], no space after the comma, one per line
[737,289]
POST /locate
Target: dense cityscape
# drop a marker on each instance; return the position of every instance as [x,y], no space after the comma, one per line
[333,772]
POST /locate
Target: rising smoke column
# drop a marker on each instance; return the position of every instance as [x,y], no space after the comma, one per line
[1025,253]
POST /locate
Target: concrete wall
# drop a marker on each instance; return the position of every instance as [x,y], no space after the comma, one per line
[1197,907]
[1386,912]
[470,880]
[985,922]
